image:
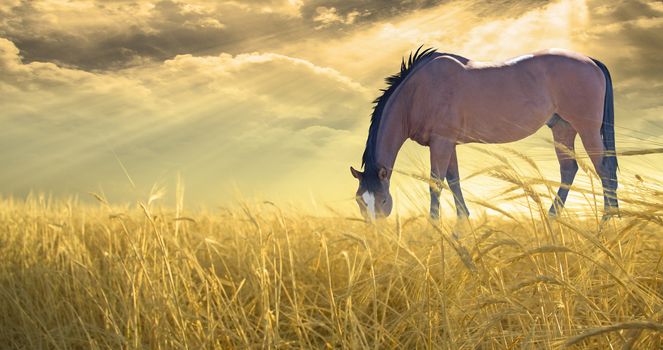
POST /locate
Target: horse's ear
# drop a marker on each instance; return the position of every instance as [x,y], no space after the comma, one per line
[382,174]
[356,173]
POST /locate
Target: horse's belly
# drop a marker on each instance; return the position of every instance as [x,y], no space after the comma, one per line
[501,126]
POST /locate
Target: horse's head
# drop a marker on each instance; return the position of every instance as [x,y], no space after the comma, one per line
[373,193]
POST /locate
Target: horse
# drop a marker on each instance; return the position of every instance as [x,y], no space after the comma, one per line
[441,100]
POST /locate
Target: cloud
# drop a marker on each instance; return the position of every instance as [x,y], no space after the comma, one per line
[107,36]
[9,58]
[286,7]
[222,119]
[114,35]
[328,16]
[627,35]
[38,90]
[348,12]
[275,88]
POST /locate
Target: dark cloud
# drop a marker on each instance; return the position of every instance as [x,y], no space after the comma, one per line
[505,8]
[364,11]
[360,12]
[626,35]
[129,34]
[163,31]
[621,11]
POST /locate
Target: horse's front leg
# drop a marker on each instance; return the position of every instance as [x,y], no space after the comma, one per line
[453,179]
[441,150]
[435,191]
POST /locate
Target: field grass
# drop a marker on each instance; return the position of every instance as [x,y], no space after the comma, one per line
[77,276]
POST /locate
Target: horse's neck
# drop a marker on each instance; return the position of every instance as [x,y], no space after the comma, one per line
[391,136]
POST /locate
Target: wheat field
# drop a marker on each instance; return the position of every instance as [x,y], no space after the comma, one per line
[82,276]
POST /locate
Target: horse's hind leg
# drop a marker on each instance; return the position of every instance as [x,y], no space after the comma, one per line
[594,146]
[564,136]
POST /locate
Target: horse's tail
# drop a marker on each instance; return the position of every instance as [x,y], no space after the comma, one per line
[608,130]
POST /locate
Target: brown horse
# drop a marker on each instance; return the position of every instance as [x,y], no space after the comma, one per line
[441,100]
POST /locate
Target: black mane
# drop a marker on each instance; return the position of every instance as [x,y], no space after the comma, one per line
[370,179]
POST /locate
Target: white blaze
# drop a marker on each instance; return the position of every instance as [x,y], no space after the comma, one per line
[369,199]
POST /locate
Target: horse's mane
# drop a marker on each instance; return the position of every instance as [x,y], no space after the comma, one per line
[368,160]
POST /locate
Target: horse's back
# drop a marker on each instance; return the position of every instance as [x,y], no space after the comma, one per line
[509,100]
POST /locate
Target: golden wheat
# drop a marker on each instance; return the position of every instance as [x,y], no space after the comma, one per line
[77,276]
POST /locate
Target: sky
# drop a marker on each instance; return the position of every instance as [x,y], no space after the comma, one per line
[271,99]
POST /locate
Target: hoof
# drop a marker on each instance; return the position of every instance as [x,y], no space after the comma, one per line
[553,212]
[606,217]
[605,222]
[609,213]
[462,227]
